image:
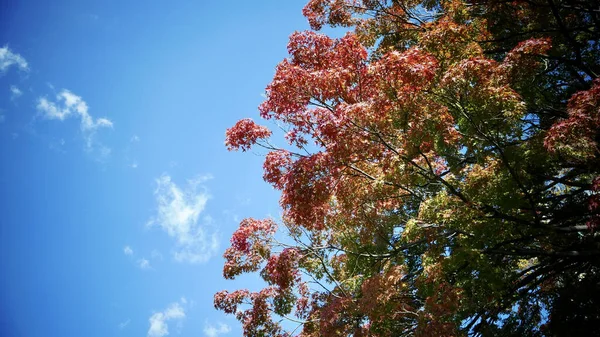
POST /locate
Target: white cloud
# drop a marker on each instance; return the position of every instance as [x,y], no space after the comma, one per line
[8,59]
[158,320]
[103,122]
[144,264]
[178,214]
[68,104]
[156,255]
[128,251]
[123,325]
[213,331]
[101,151]
[15,92]
[130,159]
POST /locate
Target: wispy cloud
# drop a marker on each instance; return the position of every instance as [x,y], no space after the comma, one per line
[156,255]
[15,92]
[127,151]
[68,104]
[123,325]
[8,58]
[144,264]
[213,331]
[127,251]
[178,214]
[158,320]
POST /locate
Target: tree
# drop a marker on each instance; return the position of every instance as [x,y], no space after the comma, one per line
[441,176]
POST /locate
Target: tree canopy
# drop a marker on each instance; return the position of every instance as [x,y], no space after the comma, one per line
[440,177]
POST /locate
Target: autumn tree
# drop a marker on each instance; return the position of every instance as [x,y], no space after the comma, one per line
[440,177]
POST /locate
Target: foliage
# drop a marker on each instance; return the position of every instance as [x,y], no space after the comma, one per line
[441,177]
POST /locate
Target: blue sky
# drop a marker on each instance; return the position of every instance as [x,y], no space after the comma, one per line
[118,196]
